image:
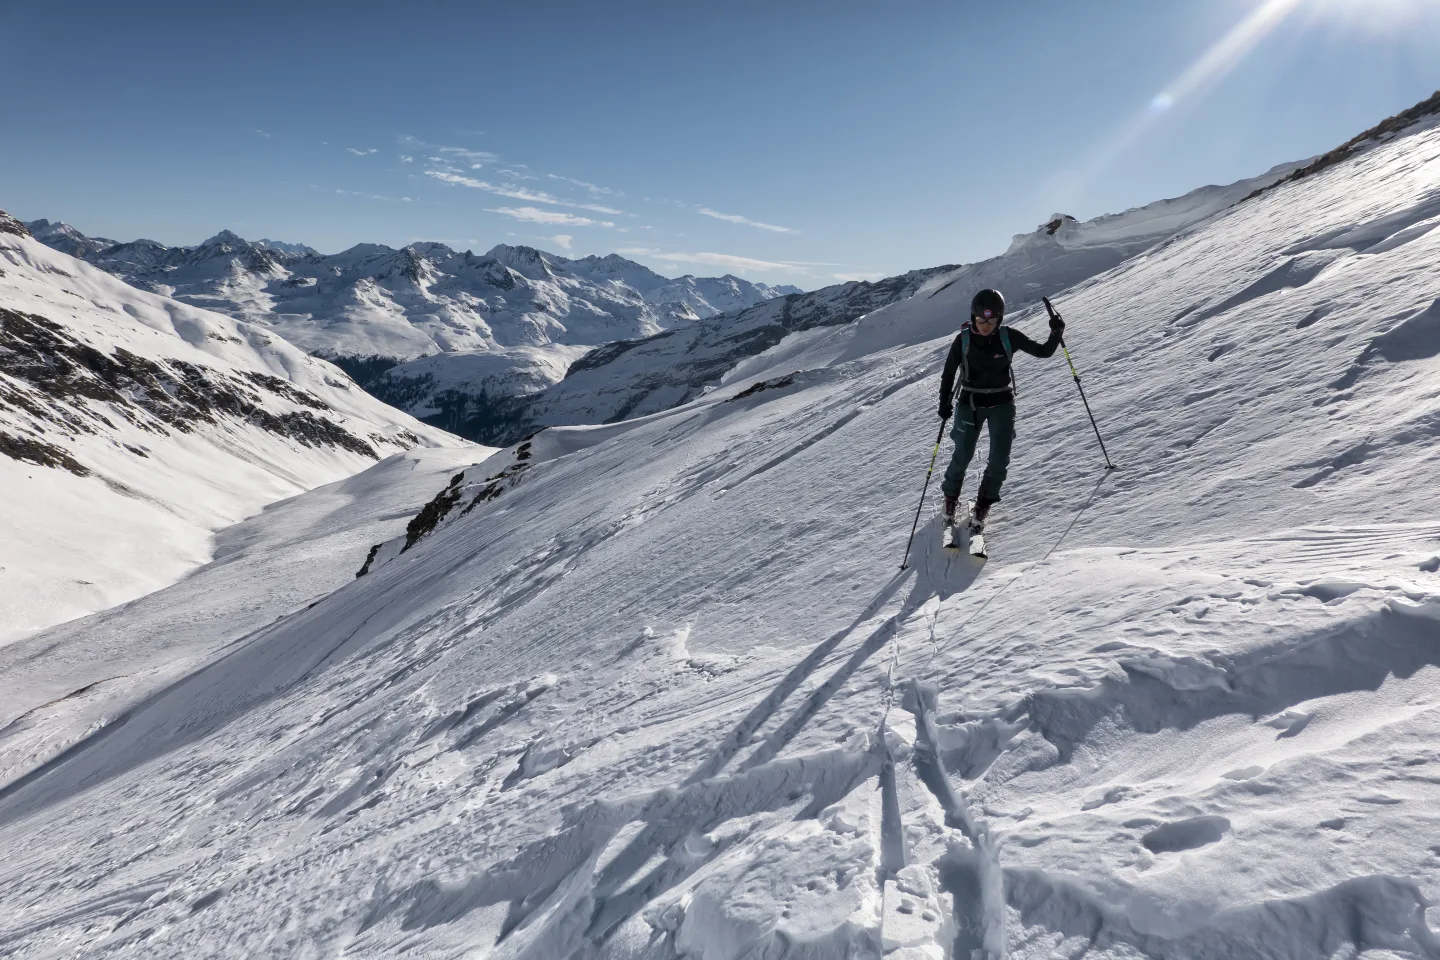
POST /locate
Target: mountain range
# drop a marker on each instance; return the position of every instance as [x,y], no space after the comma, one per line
[495,347]
[133,426]
[516,315]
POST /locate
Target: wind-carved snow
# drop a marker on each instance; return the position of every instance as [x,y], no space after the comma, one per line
[658,688]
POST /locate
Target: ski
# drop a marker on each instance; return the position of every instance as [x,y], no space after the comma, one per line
[951,538]
[975,533]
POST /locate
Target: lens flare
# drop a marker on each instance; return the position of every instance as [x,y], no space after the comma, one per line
[1211,67]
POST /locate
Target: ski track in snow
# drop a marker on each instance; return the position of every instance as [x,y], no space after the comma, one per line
[668,695]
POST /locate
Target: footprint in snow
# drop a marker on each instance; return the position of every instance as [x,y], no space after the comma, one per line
[1186,834]
[1290,723]
[1112,795]
[1244,773]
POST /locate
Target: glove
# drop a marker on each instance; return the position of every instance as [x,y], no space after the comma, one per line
[944,411]
[1057,326]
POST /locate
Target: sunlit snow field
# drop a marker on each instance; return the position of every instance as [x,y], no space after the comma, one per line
[667,693]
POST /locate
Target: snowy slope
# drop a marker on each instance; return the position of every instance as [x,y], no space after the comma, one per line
[633,378]
[657,688]
[132,427]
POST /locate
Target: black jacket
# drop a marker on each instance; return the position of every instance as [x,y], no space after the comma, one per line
[989,368]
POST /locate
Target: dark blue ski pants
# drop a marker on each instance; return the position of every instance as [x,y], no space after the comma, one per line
[966,434]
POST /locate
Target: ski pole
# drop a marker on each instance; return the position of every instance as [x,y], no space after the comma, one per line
[928,473]
[1054,315]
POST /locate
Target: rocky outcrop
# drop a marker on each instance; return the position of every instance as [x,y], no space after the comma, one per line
[63,374]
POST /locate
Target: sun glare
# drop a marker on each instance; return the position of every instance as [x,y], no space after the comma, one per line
[1215,64]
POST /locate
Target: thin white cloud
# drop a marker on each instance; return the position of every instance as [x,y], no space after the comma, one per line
[554,217]
[360,153]
[736,218]
[375,196]
[858,277]
[594,188]
[516,174]
[406,158]
[725,260]
[470,156]
[263,134]
[514,192]
[562,240]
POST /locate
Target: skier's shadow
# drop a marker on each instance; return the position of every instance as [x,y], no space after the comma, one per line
[936,571]
[940,571]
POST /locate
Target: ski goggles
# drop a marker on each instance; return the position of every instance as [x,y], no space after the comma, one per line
[988,316]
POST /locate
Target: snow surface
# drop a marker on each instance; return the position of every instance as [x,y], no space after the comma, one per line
[163,454]
[658,689]
[637,378]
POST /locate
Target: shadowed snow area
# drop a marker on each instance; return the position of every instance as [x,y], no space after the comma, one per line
[658,689]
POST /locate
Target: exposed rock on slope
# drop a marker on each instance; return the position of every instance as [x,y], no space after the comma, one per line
[131,426]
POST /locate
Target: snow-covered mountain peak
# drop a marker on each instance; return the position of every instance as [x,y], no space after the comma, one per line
[527,261]
[298,249]
[50,228]
[66,238]
[433,249]
[360,253]
[227,238]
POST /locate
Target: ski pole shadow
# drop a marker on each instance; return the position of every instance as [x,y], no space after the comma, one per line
[1076,518]
[614,902]
[936,572]
[797,675]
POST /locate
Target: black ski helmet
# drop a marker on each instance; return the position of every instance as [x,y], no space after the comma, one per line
[988,303]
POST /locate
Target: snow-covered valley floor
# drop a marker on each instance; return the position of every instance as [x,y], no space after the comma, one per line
[665,692]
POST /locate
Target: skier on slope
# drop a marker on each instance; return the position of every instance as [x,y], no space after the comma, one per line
[982,353]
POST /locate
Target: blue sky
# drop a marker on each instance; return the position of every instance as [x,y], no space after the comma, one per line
[787,142]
